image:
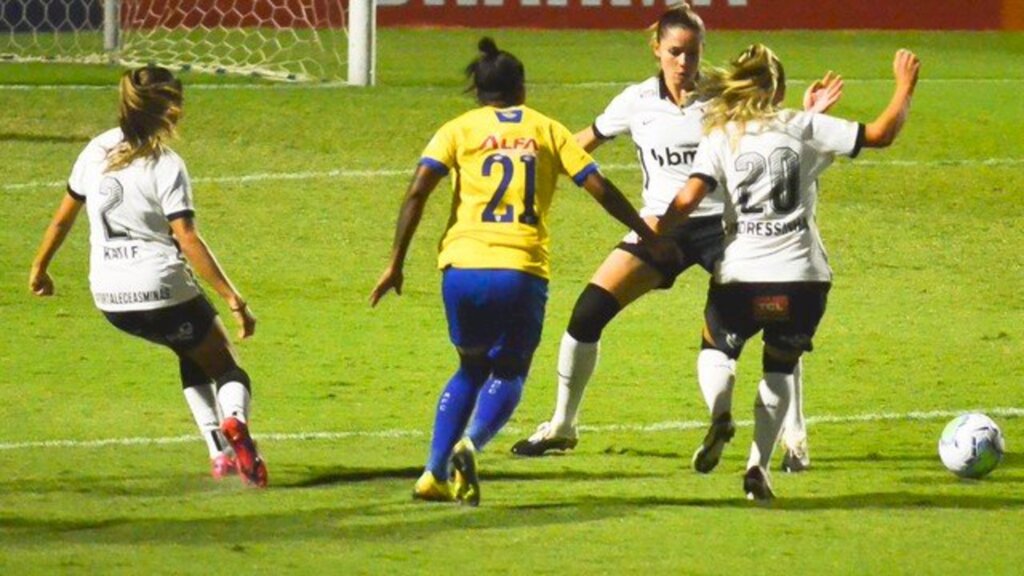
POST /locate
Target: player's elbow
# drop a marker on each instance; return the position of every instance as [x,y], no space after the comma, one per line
[187,237]
[880,134]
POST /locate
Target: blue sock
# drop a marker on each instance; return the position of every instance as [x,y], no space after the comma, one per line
[453,411]
[495,404]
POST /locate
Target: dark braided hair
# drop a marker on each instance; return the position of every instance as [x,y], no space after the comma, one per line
[496,76]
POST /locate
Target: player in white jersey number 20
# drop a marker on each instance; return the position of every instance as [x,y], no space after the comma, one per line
[138,198]
[774,276]
[664,117]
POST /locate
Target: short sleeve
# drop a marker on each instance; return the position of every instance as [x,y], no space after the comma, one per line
[441,152]
[575,161]
[76,182]
[707,162]
[614,121]
[175,192]
[836,136]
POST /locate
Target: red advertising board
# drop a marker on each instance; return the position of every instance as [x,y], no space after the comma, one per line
[593,14]
[720,14]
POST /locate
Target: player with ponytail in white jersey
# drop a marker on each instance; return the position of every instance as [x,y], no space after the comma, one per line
[774,275]
[664,117]
[138,198]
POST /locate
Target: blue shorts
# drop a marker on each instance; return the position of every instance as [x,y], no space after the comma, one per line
[500,310]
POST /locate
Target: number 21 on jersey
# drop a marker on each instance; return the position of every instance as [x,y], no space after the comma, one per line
[507,166]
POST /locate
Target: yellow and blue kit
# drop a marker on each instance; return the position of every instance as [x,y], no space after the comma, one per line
[506,162]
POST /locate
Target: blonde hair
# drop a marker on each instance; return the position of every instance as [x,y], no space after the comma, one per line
[744,92]
[678,16]
[151,99]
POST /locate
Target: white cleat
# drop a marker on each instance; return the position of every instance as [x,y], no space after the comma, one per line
[796,457]
[545,439]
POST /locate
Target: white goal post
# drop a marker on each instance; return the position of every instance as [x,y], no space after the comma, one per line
[303,40]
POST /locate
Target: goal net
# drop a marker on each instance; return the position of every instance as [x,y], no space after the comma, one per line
[283,39]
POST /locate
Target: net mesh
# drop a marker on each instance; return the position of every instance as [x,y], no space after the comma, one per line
[288,39]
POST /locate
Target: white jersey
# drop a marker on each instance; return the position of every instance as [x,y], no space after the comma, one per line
[666,138]
[134,263]
[770,177]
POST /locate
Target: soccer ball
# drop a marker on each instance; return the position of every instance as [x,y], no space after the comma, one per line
[971,445]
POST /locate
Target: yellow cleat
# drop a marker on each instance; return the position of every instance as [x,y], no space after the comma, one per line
[431,489]
[467,482]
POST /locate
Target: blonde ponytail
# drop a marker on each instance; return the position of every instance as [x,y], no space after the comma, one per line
[151,99]
[744,92]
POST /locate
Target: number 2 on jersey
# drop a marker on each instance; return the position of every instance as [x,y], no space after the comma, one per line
[529,215]
[783,166]
[111,189]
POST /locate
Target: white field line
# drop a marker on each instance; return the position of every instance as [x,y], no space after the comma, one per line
[342,86]
[341,173]
[396,433]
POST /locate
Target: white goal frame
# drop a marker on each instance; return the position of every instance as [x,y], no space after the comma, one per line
[356,19]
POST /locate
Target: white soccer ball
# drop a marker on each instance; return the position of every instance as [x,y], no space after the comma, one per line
[971,445]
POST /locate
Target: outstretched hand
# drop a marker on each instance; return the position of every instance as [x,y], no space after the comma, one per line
[391,279]
[906,67]
[822,94]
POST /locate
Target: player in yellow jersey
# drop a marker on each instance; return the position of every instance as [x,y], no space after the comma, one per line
[506,158]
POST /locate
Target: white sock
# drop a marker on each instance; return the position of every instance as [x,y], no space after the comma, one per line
[794,429]
[773,394]
[576,363]
[202,400]
[716,374]
[234,400]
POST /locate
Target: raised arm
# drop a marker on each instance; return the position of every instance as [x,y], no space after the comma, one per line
[205,264]
[423,183]
[822,94]
[883,130]
[39,281]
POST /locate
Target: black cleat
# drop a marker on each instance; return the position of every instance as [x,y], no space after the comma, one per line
[543,441]
[757,486]
[719,434]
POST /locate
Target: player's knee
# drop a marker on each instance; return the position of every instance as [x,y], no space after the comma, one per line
[234,374]
[191,374]
[475,361]
[779,360]
[732,351]
[508,366]
[594,309]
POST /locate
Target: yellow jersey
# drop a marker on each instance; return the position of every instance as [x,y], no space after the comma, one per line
[506,162]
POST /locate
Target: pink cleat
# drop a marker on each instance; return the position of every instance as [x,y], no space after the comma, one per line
[250,463]
[223,466]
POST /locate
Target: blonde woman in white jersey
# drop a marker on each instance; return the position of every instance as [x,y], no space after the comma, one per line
[138,199]
[664,117]
[774,275]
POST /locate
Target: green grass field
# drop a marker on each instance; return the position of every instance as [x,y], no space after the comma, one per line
[297,191]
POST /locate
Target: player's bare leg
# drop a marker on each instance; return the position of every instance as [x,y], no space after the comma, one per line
[620,280]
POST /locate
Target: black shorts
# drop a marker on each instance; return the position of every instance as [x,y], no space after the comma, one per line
[180,327]
[788,312]
[702,241]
